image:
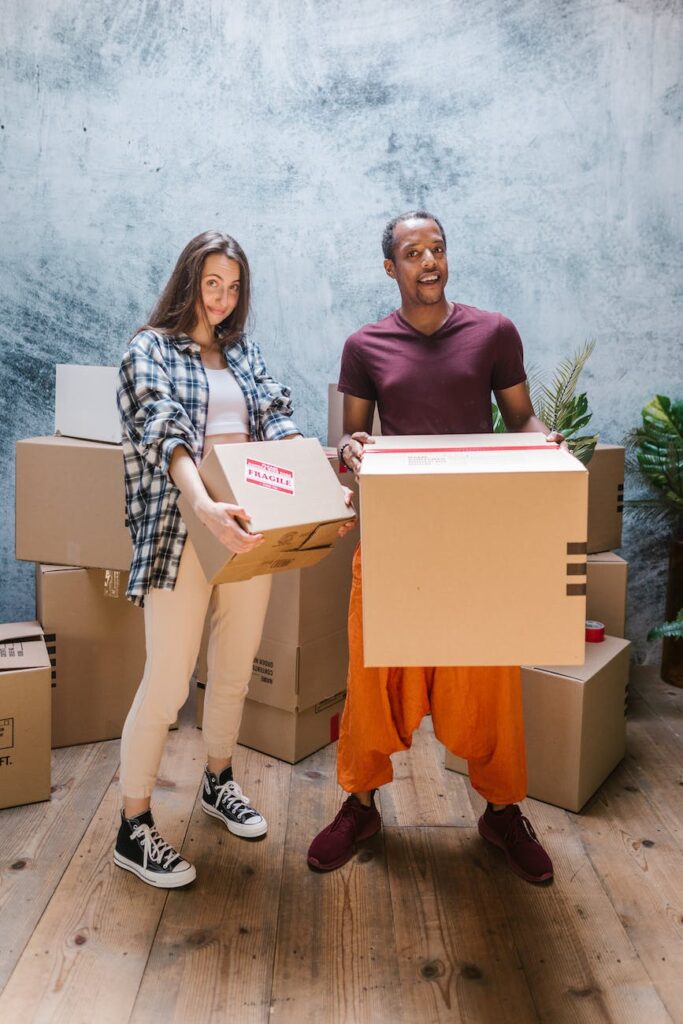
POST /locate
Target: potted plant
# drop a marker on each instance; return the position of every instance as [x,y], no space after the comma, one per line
[558,405]
[656,453]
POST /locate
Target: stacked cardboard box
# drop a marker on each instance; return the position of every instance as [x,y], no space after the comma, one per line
[574,715]
[296,692]
[25,675]
[70,521]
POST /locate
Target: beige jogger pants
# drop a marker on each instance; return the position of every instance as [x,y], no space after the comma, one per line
[174,621]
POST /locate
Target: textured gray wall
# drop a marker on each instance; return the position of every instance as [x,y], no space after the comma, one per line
[546,133]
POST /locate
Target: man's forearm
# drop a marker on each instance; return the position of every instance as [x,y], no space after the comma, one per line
[531,424]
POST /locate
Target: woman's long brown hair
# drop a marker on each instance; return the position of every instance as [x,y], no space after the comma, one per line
[175,310]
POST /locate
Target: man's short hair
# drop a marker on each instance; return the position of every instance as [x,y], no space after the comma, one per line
[388,234]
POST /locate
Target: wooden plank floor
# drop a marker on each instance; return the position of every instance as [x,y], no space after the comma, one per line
[424,925]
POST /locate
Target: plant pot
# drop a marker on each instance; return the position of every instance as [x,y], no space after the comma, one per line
[672,648]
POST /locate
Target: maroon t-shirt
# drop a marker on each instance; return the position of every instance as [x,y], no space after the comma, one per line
[437,383]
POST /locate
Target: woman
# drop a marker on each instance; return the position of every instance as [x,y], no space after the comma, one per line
[191,379]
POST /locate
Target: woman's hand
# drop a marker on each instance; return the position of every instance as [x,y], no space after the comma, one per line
[223,521]
[348,498]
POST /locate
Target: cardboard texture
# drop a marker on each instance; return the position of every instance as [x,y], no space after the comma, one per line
[474,551]
[25,673]
[574,719]
[605,497]
[335,416]
[70,503]
[292,495]
[287,735]
[99,642]
[606,591]
[85,403]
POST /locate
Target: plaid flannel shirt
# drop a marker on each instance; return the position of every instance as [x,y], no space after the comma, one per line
[162,396]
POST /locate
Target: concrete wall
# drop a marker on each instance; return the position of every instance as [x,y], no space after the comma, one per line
[546,134]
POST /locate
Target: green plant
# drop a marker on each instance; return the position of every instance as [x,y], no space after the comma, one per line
[655,453]
[674,630]
[558,405]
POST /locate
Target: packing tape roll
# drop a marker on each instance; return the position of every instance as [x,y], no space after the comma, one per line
[595,631]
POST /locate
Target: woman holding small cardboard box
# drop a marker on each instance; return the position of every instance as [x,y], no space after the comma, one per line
[191,378]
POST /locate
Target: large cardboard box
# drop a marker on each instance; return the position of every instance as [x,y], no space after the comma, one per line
[605,497]
[474,551]
[99,640]
[70,503]
[292,495]
[335,416]
[287,735]
[25,673]
[574,719]
[606,591]
[85,403]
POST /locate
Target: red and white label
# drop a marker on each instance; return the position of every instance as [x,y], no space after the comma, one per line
[265,475]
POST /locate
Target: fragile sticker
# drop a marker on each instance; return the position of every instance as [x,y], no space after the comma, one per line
[277,478]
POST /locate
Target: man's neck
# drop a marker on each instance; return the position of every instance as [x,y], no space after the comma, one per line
[427,319]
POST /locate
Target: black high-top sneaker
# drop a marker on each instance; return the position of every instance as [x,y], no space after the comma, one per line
[140,849]
[223,799]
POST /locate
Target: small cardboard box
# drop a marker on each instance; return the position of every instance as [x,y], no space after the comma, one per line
[24,714]
[606,591]
[294,677]
[335,417]
[292,495]
[605,497]
[288,735]
[99,641]
[70,503]
[85,403]
[574,720]
[474,551]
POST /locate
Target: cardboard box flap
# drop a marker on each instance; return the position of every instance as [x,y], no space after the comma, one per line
[11,632]
[465,453]
[597,656]
[22,646]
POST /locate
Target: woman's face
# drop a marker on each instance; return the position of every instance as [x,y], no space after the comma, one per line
[220,289]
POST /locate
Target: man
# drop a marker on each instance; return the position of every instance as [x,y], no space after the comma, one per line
[431,367]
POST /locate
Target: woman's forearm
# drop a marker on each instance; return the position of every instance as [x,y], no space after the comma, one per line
[185,476]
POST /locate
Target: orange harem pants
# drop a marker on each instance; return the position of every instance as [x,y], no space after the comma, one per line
[477,715]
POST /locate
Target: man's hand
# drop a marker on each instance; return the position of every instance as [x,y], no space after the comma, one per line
[555,437]
[222,520]
[348,498]
[352,450]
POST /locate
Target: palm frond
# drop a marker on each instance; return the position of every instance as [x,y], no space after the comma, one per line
[673,629]
[554,401]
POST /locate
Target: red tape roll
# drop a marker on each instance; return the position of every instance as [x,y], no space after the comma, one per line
[595,631]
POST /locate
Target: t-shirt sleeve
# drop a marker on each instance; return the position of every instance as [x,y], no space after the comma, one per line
[354,378]
[508,367]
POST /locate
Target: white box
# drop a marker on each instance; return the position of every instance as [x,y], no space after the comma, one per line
[85,403]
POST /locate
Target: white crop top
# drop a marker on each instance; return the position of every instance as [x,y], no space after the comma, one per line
[227,412]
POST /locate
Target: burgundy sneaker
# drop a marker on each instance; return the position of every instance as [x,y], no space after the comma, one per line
[337,843]
[513,833]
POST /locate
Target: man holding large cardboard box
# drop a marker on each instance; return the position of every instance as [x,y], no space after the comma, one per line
[431,367]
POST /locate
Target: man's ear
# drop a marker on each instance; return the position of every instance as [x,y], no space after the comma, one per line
[390,269]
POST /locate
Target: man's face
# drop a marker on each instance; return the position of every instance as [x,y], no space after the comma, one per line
[420,264]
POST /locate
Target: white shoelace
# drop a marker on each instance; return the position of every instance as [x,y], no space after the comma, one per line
[154,848]
[234,800]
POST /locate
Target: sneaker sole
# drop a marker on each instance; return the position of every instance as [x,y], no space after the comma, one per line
[496,841]
[172,881]
[243,831]
[333,865]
